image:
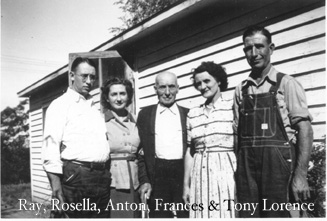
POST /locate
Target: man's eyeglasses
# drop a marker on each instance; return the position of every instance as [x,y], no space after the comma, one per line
[162,88]
[85,76]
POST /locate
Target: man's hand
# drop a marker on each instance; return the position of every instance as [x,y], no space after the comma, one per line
[56,192]
[145,192]
[300,187]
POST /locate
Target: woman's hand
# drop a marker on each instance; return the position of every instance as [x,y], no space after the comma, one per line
[186,194]
[188,164]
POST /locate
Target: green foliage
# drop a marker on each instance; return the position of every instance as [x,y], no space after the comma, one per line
[136,11]
[317,179]
[14,145]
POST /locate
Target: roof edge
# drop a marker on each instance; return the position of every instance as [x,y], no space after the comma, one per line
[127,34]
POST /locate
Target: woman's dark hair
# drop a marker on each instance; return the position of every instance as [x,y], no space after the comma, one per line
[106,88]
[80,60]
[215,70]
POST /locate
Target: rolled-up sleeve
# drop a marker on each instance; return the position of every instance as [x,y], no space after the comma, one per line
[53,131]
[296,102]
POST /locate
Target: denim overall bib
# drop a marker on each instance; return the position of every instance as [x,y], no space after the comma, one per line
[265,156]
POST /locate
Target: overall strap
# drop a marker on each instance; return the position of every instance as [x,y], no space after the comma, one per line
[273,89]
[244,88]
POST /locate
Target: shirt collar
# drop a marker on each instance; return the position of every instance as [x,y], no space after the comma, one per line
[271,75]
[216,104]
[108,115]
[77,97]
[173,109]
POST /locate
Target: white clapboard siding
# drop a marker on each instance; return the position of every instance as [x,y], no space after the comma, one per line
[38,178]
[42,190]
[42,184]
[96,97]
[300,52]
[36,144]
[37,167]
[294,21]
[297,50]
[39,173]
[318,114]
[36,137]
[40,197]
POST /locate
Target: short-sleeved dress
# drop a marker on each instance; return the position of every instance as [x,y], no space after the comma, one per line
[212,174]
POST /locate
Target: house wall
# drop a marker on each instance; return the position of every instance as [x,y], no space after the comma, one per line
[300,52]
[298,32]
[41,190]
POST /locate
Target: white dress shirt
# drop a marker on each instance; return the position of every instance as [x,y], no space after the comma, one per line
[168,133]
[75,122]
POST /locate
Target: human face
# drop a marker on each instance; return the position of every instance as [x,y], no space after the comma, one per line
[83,78]
[258,51]
[207,85]
[117,97]
[166,88]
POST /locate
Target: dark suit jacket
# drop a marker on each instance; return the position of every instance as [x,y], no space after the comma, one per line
[146,125]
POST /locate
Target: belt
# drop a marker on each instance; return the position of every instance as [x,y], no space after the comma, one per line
[91,165]
[123,156]
[128,157]
[201,151]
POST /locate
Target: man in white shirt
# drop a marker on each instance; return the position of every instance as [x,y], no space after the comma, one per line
[76,150]
[162,129]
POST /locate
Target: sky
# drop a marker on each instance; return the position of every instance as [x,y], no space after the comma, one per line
[38,35]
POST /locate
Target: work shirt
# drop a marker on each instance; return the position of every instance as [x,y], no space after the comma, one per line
[290,98]
[74,130]
[168,133]
[124,140]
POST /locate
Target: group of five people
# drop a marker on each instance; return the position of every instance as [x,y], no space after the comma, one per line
[254,148]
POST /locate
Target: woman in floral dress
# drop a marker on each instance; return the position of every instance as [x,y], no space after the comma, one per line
[210,161]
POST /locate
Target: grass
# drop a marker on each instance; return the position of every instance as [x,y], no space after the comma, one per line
[10,203]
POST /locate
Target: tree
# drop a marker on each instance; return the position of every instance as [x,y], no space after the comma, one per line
[14,145]
[136,11]
[14,126]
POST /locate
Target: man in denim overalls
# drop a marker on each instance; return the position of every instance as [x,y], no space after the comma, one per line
[274,133]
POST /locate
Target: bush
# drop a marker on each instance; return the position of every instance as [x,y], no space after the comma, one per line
[317,179]
[15,165]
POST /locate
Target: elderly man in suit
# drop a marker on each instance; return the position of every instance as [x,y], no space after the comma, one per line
[162,129]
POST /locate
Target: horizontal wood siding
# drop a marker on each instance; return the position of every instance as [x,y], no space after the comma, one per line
[40,186]
[300,52]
